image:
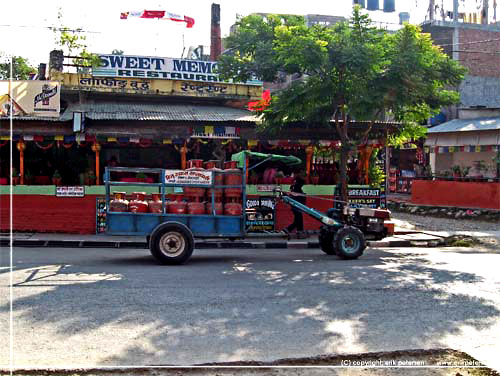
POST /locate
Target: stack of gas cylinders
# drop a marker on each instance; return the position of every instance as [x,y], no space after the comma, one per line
[196,200]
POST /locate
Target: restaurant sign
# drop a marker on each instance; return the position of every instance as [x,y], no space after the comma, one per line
[189,177]
[158,68]
[31,97]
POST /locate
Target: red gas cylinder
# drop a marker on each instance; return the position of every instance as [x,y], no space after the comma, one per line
[155,203]
[232,176]
[118,203]
[232,208]
[194,193]
[218,208]
[176,207]
[138,203]
[195,163]
[218,180]
[196,208]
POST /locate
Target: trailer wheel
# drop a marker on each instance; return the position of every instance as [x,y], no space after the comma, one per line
[326,242]
[349,242]
[171,243]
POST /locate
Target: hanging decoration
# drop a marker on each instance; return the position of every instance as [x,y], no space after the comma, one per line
[217,131]
[44,147]
[145,142]
[160,14]
[67,145]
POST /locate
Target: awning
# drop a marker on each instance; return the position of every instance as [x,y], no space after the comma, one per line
[289,160]
[465,132]
[158,111]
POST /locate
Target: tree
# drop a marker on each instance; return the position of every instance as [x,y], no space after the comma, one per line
[351,70]
[73,42]
[21,68]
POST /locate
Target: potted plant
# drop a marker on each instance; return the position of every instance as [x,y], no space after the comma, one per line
[314,178]
[457,172]
[28,178]
[141,177]
[465,172]
[479,167]
[56,178]
[15,176]
[278,177]
[90,178]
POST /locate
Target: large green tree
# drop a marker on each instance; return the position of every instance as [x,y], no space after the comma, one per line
[352,71]
[21,68]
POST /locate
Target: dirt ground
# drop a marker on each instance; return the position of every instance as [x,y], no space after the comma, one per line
[440,362]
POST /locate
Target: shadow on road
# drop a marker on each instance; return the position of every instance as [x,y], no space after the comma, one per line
[240,305]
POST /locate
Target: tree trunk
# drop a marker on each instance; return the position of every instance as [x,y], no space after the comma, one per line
[344,155]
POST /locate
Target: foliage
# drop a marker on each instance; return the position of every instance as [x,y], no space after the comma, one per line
[91,174]
[375,172]
[15,173]
[21,68]
[73,42]
[56,174]
[141,175]
[456,169]
[350,70]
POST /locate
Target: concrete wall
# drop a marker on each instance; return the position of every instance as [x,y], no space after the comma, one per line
[480,91]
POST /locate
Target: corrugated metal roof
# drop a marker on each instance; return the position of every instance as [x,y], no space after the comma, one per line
[155,111]
[466,125]
[35,118]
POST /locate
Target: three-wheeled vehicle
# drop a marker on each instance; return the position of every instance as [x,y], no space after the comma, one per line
[171,235]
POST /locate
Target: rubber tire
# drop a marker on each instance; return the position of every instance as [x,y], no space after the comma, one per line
[177,228]
[338,241]
[326,242]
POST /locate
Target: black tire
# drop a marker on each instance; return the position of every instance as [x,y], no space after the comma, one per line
[349,242]
[326,242]
[171,243]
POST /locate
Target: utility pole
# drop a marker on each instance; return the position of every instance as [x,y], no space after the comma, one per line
[455,10]
[484,12]
[432,8]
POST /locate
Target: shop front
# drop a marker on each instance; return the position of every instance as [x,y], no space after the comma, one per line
[464,158]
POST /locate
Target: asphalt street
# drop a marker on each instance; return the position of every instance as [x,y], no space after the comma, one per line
[95,307]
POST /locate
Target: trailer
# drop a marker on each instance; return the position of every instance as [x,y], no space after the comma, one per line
[171,236]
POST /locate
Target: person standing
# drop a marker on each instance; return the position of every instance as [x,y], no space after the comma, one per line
[298,195]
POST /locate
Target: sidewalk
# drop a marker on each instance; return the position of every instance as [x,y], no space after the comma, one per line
[402,238]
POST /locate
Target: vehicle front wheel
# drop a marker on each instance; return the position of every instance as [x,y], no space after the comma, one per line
[172,243]
[349,242]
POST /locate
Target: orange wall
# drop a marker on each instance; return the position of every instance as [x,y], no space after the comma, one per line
[454,193]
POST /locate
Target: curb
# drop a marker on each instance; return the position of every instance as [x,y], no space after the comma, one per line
[199,244]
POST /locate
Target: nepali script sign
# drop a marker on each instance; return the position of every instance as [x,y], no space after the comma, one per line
[158,68]
[188,177]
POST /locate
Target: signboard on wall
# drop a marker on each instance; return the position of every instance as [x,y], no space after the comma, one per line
[76,191]
[190,177]
[165,68]
[260,214]
[31,97]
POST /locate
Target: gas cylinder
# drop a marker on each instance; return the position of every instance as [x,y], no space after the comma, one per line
[138,203]
[218,180]
[195,193]
[118,203]
[232,208]
[218,208]
[155,204]
[176,207]
[196,208]
[232,176]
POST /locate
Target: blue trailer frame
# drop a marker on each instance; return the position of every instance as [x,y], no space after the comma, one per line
[201,225]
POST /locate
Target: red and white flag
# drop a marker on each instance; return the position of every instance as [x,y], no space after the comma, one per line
[160,14]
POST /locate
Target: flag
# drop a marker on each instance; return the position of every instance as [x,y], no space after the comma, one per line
[160,14]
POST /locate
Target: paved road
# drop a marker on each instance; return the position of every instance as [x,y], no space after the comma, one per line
[87,307]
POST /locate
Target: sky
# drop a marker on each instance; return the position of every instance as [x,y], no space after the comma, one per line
[24,23]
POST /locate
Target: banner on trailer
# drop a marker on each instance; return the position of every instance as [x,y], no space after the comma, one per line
[260,214]
[188,177]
